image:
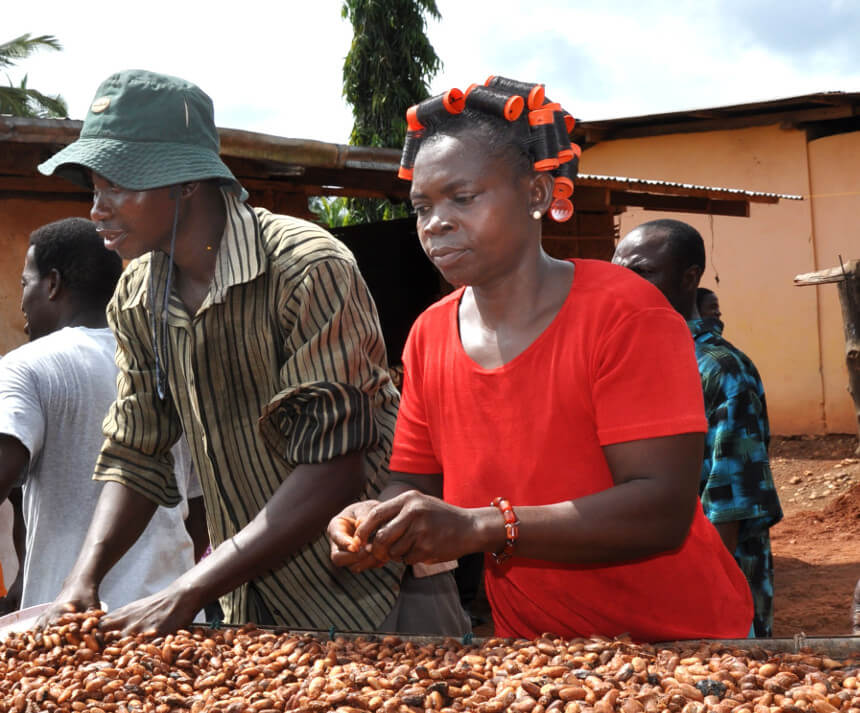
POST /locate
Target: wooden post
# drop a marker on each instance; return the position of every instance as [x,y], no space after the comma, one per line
[847,279]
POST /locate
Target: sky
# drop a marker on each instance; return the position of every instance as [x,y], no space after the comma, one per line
[275,66]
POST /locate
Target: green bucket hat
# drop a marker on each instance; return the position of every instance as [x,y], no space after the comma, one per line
[145,130]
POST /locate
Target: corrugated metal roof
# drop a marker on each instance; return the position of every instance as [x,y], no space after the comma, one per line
[686,188]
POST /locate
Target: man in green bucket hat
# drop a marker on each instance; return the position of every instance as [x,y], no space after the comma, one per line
[256,336]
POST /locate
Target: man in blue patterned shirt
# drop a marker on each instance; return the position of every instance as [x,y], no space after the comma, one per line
[737,488]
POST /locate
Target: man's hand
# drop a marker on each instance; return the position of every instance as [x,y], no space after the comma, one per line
[347,550]
[73,597]
[160,613]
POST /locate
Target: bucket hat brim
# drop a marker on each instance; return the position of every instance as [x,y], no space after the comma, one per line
[139,165]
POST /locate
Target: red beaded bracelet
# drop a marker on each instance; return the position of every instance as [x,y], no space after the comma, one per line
[512,529]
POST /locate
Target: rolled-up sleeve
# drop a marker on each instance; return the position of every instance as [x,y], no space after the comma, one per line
[334,368]
[140,428]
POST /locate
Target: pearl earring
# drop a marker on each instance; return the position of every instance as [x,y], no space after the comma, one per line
[536,214]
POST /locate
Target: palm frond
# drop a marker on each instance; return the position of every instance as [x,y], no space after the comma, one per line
[25,45]
[22,101]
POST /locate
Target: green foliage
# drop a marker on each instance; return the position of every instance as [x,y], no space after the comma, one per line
[21,100]
[331,212]
[387,70]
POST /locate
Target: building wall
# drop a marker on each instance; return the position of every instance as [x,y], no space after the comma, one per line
[835,184]
[18,218]
[793,334]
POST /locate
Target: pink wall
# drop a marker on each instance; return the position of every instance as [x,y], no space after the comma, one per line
[790,336]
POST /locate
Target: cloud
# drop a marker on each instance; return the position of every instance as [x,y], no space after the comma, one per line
[821,33]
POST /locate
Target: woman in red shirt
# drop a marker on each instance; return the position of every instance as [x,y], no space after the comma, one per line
[551,417]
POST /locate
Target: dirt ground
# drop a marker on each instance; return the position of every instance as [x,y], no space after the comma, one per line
[816,547]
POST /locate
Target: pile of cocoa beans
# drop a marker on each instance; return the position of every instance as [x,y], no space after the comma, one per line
[76,666]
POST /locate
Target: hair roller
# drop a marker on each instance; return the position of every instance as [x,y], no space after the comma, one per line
[410,150]
[541,117]
[423,113]
[572,166]
[565,152]
[569,122]
[532,93]
[561,209]
[563,184]
[542,140]
[494,102]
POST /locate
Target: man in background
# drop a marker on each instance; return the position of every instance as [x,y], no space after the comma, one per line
[736,488]
[708,304]
[54,394]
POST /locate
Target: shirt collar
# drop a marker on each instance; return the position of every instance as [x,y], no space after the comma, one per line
[708,325]
[241,258]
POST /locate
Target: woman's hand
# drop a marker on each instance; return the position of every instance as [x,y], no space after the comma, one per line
[414,527]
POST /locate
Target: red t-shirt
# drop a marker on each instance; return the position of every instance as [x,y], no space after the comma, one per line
[616,364]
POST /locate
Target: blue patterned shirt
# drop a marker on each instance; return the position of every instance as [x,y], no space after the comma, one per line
[736,484]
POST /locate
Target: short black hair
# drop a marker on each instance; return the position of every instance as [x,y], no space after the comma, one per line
[508,140]
[683,240]
[701,294]
[75,250]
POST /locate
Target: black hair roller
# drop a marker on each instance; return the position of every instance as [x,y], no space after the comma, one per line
[565,152]
[573,164]
[565,149]
[434,108]
[410,150]
[569,122]
[494,102]
[561,208]
[532,93]
[563,184]
[542,140]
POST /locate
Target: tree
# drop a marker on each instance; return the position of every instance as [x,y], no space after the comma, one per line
[387,70]
[21,100]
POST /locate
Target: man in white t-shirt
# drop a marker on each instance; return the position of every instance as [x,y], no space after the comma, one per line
[54,394]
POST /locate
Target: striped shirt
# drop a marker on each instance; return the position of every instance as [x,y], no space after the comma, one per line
[283,364]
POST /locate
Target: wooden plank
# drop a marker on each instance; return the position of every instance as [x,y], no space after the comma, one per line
[308,189]
[591,198]
[585,225]
[682,204]
[38,197]
[849,299]
[22,159]
[42,184]
[831,274]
